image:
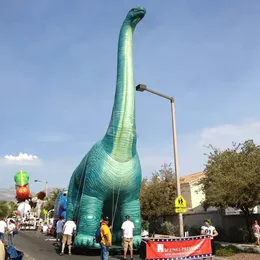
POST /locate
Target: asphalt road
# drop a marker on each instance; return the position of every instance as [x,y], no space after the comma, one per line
[37,246]
[41,247]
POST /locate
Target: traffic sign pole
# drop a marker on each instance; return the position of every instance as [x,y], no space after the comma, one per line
[176,163]
[180,205]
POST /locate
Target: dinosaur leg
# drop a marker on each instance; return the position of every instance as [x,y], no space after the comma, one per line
[89,218]
[75,190]
[132,208]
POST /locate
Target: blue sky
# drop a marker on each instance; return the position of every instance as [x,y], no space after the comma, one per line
[58,73]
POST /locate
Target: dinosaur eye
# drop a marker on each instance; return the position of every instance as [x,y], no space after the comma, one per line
[64,194]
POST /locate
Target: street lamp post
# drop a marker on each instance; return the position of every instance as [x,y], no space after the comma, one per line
[142,88]
[46,185]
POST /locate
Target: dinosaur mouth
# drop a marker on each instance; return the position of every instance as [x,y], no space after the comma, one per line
[139,16]
[141,13]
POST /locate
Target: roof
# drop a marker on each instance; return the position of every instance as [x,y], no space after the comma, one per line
[192,177]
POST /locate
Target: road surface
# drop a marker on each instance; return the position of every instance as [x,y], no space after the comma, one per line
[41,247]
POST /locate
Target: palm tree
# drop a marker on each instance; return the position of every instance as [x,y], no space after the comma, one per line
[49,202]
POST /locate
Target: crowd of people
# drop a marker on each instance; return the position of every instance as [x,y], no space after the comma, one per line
[10,228]
[65,231]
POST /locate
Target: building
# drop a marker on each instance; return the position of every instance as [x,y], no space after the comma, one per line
[192,193]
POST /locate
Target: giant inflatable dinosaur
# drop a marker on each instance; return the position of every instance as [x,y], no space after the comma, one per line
[108,179]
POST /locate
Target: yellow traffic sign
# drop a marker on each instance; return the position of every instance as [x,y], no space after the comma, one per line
[180,202]
[180,210]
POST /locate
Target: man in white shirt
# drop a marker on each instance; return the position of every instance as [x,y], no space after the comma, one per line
[3,228]
[208,229]
[68,229]
[128,234]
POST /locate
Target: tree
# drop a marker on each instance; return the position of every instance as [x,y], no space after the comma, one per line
[157,195]
[12,208]
[4,209]
[7,208]
[49,202]
[232,178]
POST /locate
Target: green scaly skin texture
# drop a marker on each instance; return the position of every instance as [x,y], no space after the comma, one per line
[112,165]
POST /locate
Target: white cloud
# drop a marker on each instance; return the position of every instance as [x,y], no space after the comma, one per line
[192,153]
[21,157]
[193,147]
[223,135]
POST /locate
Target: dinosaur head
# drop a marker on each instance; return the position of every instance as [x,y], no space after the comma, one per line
[135,15]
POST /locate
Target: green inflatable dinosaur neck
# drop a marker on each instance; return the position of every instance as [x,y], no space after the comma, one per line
[111,168]
[120,139]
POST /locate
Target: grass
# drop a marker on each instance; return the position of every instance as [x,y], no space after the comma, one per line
[226,250]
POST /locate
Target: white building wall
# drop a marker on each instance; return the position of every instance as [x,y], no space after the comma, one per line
[197,196]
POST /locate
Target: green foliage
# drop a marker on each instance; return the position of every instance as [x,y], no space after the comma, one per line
[3,209]
[49,202]
[229,250]
[238,234]
[157,195]
[232,178]
[154,226]
[225,252]
[167,228]
[145,225]
[7,208]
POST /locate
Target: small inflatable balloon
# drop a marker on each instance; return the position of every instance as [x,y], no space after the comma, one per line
[41,195]
[23,208]
[22,185]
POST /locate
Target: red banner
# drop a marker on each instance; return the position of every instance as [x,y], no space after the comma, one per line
[179,248]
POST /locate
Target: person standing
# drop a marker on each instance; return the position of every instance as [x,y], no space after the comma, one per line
[127,235]
[68,229]
[2,251]
[3,228]
[208,229]
[106,238]
[256,230]
[11,227]
[59,228]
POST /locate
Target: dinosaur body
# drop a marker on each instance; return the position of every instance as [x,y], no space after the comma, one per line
[108,179]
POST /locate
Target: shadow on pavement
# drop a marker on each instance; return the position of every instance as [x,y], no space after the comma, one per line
[116,252]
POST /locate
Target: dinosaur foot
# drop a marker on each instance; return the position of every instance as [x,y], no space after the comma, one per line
[82,240]
[136,241]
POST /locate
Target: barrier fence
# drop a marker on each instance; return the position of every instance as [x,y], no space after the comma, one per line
[176,248]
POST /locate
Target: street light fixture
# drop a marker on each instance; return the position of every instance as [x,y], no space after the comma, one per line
[141,88]
[46,185]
